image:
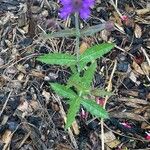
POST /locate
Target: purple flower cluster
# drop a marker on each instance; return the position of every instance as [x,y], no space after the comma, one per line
[72,6]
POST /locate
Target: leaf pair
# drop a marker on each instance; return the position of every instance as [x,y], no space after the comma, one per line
[76,101]
[68,60]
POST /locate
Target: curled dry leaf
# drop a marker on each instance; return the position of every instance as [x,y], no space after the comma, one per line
[137,68]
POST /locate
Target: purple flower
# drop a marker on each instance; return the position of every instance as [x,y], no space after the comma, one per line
[80,6]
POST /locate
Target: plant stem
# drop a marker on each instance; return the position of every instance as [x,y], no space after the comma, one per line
[77,39]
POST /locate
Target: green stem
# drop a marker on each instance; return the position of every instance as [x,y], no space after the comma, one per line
[77,38]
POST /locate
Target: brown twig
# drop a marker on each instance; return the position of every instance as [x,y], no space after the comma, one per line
[109,87]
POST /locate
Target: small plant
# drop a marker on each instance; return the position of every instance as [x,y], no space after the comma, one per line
[78,89]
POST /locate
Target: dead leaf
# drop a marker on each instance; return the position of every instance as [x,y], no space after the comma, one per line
[62,146]
[104,35]
[128,115]
[142,11]
[46,95]
[113,144]
[21,68]
[137,68]
[38,74]
[146,68]
[6,138]
[137,31]
[109,136]
[145,125]
[117,18]
[34,104]
[23,106]
[83,47]
[133,77]
[75,128]
[20,77]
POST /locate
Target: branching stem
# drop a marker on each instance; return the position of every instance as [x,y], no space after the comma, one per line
[77,39]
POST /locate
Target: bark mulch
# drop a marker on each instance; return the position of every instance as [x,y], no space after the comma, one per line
[32,115]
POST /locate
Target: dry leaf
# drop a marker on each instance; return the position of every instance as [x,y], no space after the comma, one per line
[128,115]
[145,125]
[23,106]
[128,8]
[46,95]
[113,144]
[6,138]
[62,146]
[137,68]
[38,74]
[117,18]
[20,77]
[146,68]
[104,35]
[109,137]
[133,77]
[21,68]
[34,104]
[75,128]
[142,11]
[137,31]
[83,47]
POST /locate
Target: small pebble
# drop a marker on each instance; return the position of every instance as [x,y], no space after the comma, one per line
[26,66]
[122,66]
[1,62]
[12,125]
[45,13]
[53,76]
[46,78]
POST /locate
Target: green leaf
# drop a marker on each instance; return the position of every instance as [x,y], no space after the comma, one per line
[72,32]
[101,92]
[58,59]
[94,52]
[93,29]
[62,33]
[94,108]
[73,109]
[89,74]
[63,91]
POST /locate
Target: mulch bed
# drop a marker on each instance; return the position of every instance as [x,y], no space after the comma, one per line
[32,115]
